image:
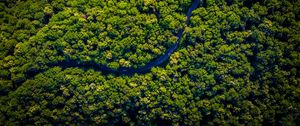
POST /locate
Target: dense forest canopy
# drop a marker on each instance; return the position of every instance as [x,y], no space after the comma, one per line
[237,63]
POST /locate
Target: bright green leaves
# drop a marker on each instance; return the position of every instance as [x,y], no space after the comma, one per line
[238,63]
[122,5]
[113,65]
[234,20]
[124,63]
[116,32]
[238,37]
[48,10]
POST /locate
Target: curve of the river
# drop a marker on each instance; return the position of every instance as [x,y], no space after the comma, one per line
[126,71]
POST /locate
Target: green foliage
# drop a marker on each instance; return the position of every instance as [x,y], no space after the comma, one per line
[237,63]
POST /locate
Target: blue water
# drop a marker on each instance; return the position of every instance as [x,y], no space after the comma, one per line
[127,71]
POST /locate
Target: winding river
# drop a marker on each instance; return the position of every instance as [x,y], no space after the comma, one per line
[128,71]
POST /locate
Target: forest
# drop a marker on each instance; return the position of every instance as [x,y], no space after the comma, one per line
[150,62]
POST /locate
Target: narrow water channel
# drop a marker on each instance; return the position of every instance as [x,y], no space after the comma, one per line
[123,70]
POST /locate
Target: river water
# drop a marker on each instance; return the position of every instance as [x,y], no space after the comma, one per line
[128,71]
